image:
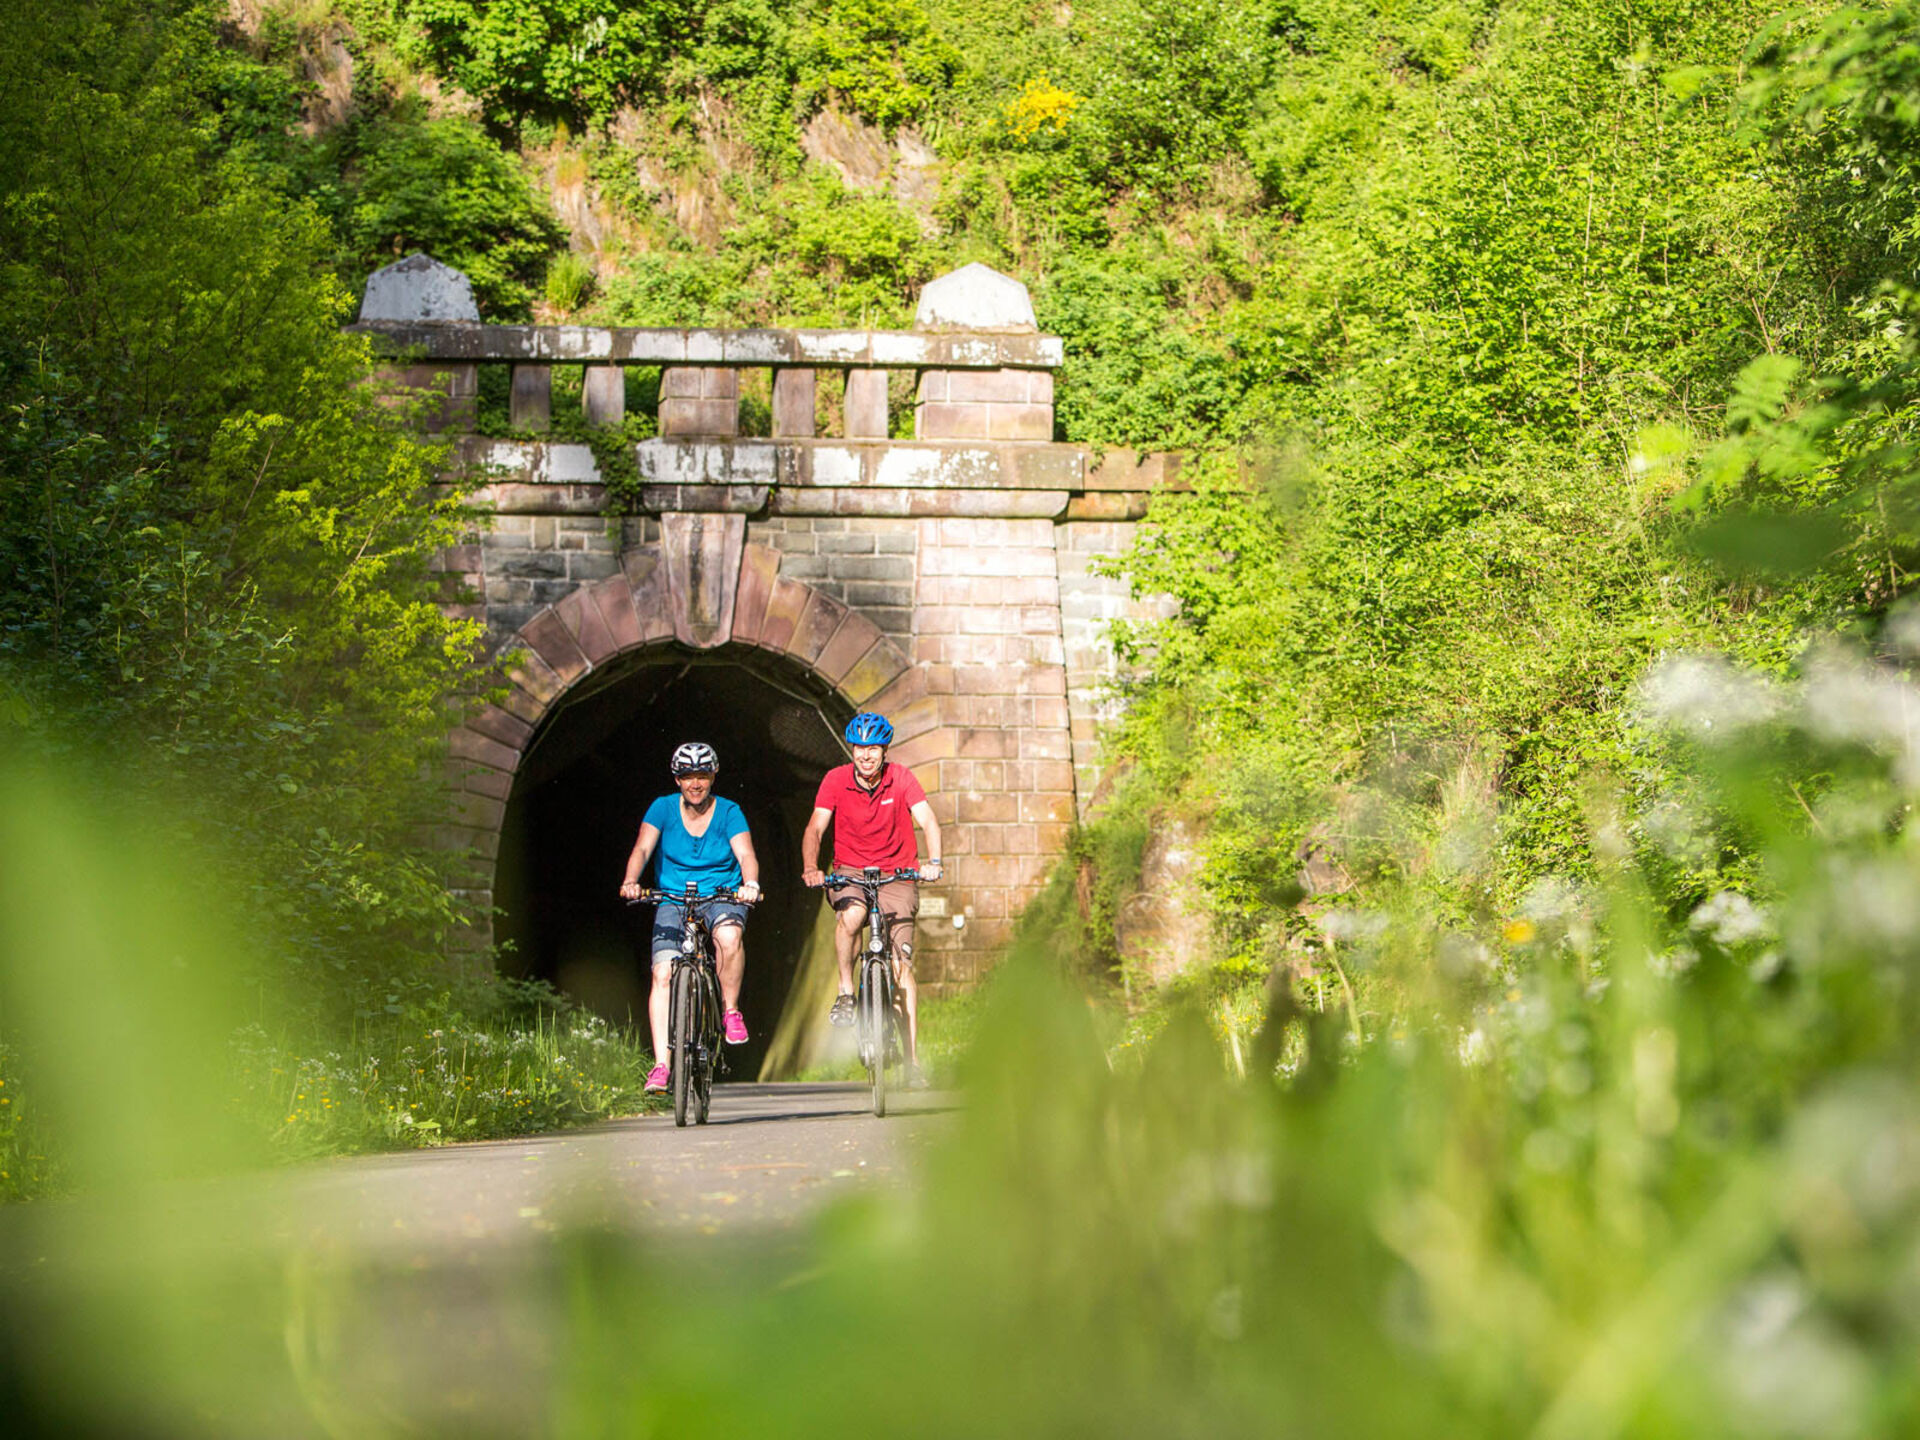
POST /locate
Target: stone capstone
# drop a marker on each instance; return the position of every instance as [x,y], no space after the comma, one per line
[418,288]
[975,297]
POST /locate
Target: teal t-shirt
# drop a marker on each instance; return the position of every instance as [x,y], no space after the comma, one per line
[706,859]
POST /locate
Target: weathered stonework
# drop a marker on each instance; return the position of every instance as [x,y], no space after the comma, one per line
[867,563]
[947,581]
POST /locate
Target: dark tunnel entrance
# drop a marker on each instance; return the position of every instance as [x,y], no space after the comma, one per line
[583,784]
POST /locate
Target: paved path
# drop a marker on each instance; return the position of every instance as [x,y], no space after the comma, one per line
[767,1158]
[423,1290]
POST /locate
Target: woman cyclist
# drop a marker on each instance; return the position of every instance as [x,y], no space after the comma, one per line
[701,839]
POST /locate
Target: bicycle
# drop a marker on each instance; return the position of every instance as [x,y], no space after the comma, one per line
[879,1020]
[694,1048]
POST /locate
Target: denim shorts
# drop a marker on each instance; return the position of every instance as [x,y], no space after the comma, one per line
[670,921]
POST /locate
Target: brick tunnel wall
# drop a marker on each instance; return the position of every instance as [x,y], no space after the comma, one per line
[1003,622]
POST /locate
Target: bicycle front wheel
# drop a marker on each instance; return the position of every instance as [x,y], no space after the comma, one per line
[684,1039]
[709,1033]
[876,1017]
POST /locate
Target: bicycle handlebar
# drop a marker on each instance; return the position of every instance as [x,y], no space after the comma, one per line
[672,897]
[879,877]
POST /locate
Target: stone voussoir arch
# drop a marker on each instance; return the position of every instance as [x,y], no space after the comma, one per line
[643,607]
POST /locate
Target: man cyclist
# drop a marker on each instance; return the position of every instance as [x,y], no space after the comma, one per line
[873,806]
[701,839]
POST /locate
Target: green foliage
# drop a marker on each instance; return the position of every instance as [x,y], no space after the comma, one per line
[569,279]
[1170,86]
[219,539]
[1411,615]
[881,57]
[29,1151]
[444,187]
[573,58]
[1131,378]
[809,254]
[443,1078]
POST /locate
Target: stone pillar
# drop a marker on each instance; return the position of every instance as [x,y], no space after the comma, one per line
[981,404]
[603,396]
[866,405]
[997,756]
[793,404]
[421,288]
[699,400]
[984,405]
[530,407]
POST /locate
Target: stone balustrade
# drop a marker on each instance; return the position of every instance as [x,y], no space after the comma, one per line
[983,370]
[983,408]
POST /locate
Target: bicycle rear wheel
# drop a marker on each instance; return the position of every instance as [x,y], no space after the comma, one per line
[876,1015]
[683,1039]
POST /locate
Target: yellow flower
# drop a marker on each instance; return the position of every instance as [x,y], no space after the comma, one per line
[1041,104]
[1519,932]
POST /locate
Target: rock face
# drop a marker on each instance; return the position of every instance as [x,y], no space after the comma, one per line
[1161,930]
[418,288]
[865,159]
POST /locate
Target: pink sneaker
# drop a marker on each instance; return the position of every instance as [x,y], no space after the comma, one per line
[735,1024]
[656,1079]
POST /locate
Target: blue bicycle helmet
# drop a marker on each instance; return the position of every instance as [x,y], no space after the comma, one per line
[867,728]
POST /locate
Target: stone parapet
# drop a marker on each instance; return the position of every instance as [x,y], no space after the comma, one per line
[878,463]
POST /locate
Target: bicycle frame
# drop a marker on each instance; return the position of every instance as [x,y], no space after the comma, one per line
[694,1004]
[878,1022]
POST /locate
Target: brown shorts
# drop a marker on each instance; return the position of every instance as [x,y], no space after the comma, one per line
[898,898]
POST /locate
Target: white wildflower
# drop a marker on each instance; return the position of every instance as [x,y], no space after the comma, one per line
[1670,963]
[1678,832]
[1352,925]
[1730,918]
[1902,630]
[1872,903]
[1705,696]
[1846,701]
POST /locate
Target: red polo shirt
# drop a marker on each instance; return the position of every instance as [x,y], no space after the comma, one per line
[872,827]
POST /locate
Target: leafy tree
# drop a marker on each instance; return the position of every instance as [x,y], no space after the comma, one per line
[564,58]
[881,56]
[445,187]
[219,537]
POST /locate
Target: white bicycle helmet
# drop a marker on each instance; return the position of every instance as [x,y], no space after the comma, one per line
[693,757]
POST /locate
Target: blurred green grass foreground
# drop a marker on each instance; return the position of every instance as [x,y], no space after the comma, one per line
[1613,1173]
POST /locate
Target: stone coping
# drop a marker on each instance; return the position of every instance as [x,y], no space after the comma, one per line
[470,343]
[834,464]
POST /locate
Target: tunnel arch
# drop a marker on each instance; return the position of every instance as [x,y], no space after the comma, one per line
[554,777]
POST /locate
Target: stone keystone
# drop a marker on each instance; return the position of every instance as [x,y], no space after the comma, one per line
[419,288]
[703,554]
[975,297]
